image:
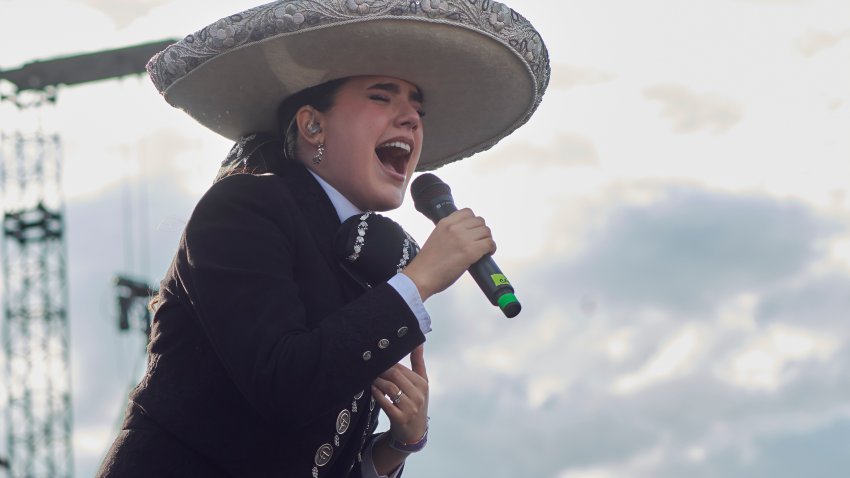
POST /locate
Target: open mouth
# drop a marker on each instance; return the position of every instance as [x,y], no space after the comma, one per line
[394,155]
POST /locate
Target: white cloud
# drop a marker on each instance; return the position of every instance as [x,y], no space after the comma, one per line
[50,29]
[690,111]
[692,248]
[618,345]
[839,251]
[542,389]
[815,41]
[565,150]
[568,76]
[768,361]
[92,442]
[640,464]
[124,13]
[779,2]
[673,359]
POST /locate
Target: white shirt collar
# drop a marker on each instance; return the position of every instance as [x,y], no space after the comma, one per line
[344,208]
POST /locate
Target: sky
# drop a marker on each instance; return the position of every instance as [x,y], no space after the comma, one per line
[675,218]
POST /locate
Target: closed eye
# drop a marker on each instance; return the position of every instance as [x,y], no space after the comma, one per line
[385,99]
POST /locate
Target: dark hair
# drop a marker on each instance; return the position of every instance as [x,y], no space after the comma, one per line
[321,97]
[260,153]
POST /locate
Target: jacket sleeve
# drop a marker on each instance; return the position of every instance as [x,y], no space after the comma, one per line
[240,275]
[366,468]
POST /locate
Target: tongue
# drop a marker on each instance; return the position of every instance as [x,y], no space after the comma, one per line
[393,158]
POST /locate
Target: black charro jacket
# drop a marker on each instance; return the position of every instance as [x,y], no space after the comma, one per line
[263,349]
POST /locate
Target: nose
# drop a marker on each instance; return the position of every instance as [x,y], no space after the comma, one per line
[408,117]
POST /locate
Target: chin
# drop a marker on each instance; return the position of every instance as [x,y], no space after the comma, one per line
[387,203]
[386,206]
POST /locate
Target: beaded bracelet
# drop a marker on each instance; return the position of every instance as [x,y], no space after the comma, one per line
[410,447]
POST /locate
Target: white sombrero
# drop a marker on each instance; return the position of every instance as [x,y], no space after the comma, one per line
[481,66]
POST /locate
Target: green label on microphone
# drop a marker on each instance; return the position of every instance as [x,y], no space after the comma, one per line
[499,279]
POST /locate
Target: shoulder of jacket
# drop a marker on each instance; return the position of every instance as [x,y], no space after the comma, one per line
[250,185]
[241,196]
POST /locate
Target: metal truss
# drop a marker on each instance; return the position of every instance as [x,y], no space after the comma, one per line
[35,297]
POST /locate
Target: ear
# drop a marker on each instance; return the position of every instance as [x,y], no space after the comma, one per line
[309,122]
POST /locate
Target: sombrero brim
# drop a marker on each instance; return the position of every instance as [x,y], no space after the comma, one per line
[480,80]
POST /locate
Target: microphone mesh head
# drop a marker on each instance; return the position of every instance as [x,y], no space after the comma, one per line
[425,188]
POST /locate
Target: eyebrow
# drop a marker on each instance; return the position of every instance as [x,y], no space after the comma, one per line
[415,95]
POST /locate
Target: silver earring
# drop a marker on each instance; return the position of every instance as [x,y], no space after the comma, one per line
[320,154]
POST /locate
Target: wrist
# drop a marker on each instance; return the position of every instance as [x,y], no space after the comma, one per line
[409,447]
[420,282]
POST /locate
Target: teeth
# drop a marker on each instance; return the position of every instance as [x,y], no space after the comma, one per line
[395,144]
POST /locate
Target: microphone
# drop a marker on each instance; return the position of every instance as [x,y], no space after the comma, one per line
[433,198]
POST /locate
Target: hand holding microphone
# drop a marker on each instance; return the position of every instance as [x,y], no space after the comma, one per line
[460,241]
[452,247]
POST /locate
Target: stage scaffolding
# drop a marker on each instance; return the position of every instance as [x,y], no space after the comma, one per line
[35,293]
[35,328]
